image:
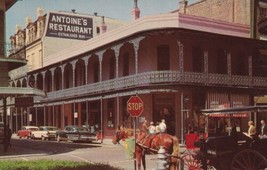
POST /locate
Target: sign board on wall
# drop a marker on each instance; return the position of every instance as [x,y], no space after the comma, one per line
[23,101]
[69,26]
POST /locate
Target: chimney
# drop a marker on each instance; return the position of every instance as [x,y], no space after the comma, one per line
[103,26]
[182,6]
[40,12]
[28,20]
[18,27]
[135,11]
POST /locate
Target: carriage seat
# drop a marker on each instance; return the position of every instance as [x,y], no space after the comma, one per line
[220,146]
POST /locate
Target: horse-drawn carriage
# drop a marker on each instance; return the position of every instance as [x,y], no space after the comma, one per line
[232,151]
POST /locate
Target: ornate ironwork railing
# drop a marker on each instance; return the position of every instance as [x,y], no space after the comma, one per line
[159,77]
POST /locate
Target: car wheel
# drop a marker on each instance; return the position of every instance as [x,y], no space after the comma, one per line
[58,138]
[32,137]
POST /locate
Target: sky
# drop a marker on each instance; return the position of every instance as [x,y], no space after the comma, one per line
[117,9]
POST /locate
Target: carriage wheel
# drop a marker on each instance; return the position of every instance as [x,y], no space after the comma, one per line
[190,163]
[248,160]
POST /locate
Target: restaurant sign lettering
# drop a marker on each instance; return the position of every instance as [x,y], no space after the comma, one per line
[69,26]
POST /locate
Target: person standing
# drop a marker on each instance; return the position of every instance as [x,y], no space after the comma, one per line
[162,126]
[144,126]
[263,133]
[152,128]
[251,130]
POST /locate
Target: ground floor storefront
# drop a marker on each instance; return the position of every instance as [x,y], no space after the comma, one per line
[181,109]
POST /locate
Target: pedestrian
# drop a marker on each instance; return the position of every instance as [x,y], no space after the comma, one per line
[117,133]
[144,126]
[152,128]
[263,133]
[162,126]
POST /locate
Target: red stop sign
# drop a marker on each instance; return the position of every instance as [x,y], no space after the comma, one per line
[135,106]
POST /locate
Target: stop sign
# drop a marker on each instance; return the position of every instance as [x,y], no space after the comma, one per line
[135,106]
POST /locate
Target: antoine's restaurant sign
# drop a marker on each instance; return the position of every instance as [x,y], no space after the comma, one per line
[69,26]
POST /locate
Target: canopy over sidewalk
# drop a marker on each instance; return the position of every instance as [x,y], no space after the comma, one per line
[19,91]
[234,110]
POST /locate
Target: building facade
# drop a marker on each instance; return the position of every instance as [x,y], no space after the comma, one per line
[246,12]
[177,63]
[174,67]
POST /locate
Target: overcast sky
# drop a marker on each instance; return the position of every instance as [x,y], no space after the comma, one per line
[117,9]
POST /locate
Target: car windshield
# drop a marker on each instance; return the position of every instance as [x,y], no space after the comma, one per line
[52,128]
[81,129]
[33,129]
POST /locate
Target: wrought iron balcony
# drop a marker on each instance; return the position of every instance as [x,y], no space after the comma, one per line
[158,77]
[262,19]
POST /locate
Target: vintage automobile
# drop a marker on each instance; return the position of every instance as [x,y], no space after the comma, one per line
[26,131]
[45,133]
[76,133]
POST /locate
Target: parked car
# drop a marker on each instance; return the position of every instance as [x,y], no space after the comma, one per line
[45,133]
[76,133]
[26,131]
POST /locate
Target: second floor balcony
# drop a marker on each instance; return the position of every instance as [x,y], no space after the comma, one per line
[156,80]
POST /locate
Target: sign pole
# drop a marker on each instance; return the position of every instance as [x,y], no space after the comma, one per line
[134,143]
[135,107]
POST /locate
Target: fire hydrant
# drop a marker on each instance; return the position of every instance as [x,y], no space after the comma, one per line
[162,163]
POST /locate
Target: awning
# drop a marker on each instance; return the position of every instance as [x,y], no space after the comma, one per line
[235,110]
[20,91]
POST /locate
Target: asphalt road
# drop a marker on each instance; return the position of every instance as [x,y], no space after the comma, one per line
[27,149]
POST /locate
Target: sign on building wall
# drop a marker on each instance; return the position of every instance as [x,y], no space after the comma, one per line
[69,26]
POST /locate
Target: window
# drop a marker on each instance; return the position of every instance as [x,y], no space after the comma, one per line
[163,57]
[126,64]
[97,30]
[198,59]
[96,71]
[112,68]
[221,61]
[110,116]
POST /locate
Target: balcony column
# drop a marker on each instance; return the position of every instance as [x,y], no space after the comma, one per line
[52,76]
[35,80]
[229,69]
[116,50]
[181,59]
[43,74]
[28,81]
[73,63]
[36,116]
[62,76]
[206,66]
[85,59]
[100,57]
[250,71]
[44,115]
[136,43]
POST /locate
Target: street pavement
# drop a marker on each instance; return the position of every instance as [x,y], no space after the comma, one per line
[106,152]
